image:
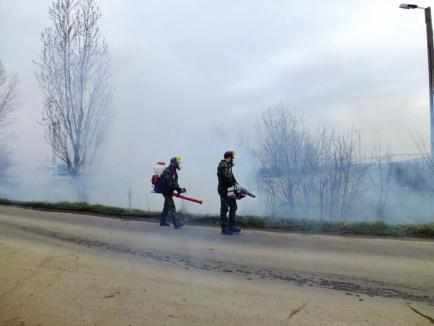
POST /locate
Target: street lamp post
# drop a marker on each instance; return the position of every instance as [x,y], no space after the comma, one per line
[430,48]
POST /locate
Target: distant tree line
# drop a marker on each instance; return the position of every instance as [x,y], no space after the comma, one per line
[320,174]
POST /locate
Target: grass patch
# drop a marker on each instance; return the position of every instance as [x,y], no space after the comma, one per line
[371,228]
[243,221]
[83,207]
[5,201]
[420,230]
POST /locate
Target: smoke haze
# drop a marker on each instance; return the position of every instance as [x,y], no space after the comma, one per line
[192,79]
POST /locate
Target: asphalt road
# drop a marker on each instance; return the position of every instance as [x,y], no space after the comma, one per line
[70,269]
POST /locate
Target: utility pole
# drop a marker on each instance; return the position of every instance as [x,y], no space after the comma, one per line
[430,48]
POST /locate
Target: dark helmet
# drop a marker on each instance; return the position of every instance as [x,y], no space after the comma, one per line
[176,161]
[230,154]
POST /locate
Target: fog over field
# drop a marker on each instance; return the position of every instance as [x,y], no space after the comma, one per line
[192,79]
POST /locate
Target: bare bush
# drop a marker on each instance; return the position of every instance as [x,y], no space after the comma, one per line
[311,174]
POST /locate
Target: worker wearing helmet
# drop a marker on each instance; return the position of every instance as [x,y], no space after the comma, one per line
[169,185]
[226,180]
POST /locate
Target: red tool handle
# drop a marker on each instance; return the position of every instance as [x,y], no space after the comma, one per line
[194,200]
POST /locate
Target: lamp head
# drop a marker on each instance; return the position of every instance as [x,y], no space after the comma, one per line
[408,6]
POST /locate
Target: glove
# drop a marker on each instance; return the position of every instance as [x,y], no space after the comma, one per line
[181,190]
[184,190]
[237,187]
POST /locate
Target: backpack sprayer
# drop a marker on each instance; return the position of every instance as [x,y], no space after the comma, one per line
[156,181]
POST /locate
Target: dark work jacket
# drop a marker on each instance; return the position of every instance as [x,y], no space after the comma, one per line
[225,176]
[170,181]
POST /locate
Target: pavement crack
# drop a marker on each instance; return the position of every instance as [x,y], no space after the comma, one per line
[421,314]
[112,295]
[297,310]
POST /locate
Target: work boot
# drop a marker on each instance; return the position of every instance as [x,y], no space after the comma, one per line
[164,223]
[234,229]
[227,231]
[178,225]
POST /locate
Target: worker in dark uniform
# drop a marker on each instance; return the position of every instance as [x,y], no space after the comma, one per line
[169,185]
[227,180]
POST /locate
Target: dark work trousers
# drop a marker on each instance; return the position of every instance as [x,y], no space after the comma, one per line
[168,209]
[227,203]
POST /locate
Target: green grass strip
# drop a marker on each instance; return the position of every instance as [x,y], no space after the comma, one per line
[369,228]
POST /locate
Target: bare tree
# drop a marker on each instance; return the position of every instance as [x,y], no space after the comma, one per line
[427,158]
[427,172]
[289,156]
[9,102]
[309,165]
[278,149]
[4,162]
[381,177]
[346,175]
[74,74]
[322,182]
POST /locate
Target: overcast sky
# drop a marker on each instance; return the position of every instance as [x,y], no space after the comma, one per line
[201,65]
[189,74]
